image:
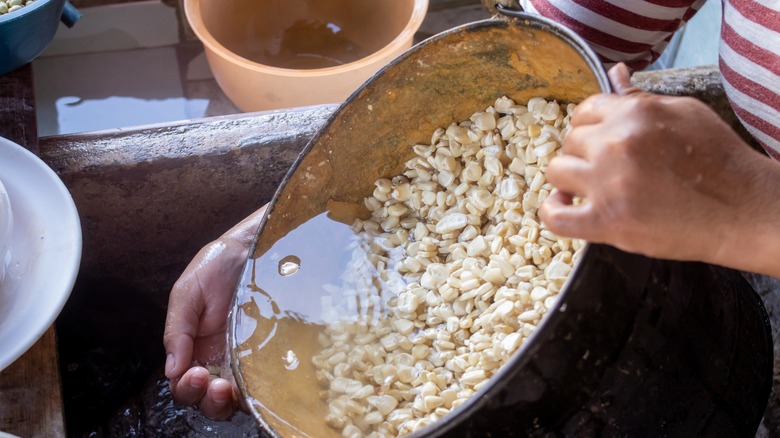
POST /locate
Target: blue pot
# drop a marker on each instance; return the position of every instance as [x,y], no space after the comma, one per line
[26,32]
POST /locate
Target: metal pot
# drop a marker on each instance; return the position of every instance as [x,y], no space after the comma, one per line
[634,347]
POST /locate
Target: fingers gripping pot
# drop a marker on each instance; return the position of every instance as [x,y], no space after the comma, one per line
[633,347]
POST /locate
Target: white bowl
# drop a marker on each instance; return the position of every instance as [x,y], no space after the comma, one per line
[44,247]
[6,227]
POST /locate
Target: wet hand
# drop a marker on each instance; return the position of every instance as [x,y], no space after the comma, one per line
[663,176]
[196,324]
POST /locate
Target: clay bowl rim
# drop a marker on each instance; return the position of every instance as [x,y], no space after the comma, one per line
[195,19]
[478,399]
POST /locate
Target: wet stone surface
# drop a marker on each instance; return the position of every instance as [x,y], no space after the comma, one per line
[155,414]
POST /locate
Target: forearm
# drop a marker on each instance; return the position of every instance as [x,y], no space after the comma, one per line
[752,242]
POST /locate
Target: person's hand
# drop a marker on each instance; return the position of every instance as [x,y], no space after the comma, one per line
[196,324]
[666,177]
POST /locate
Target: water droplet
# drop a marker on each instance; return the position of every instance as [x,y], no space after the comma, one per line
[291,361]
[289,265]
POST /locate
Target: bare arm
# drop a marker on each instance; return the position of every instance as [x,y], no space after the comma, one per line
[197,320]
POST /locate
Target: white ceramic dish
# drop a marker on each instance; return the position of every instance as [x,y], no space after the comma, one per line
[6,227]
[45,250]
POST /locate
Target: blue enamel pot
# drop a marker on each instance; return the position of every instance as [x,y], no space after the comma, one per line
[25,33]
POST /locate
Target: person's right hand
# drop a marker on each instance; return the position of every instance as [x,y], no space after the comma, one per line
[196,324]
[665,177]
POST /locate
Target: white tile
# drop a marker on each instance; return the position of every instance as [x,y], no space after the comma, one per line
[117,27]
[107,90]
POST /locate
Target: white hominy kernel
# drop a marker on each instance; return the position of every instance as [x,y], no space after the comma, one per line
[351,431]
[383,185]
[428,388]
[397,210]
[431,402]
[526,272]
[472,172]
[549,302]
[403,326]
[345,386]
[337,358]
[443,345]
[536,182]
[494,276]
[550,111]
[493,166]
[458,134]
[509,189]
[477,247]
[420,351]
[373,418]
[484,121]
[529,316]
[511,342]
[557,270]
[423,150]
[451,222]
[536,104]
[363,392]
[473,377]
[539,293]
[402,360]
[545,149]
[383,403]
[407,374]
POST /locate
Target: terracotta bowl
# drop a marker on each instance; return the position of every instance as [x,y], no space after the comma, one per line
[634,346]
[240,37]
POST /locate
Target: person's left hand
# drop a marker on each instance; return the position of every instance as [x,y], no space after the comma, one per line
[662,176]
[196,324]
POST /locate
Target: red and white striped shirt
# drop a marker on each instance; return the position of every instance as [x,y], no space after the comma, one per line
[637,31]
